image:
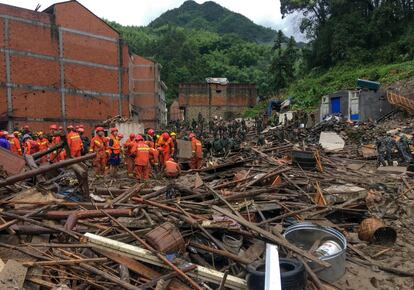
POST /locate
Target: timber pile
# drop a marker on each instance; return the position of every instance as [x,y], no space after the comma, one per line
[174,234]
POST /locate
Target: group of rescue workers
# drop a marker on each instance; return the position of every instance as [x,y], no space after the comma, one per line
[142,154]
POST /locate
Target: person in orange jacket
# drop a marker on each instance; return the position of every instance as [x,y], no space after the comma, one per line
[60,154]
[74,142]
[43,145]
[172,169]
[197,152]
[167,147]
[129,158]
[29,145]
[99,146]
[15,146]
[115,152]
[142,158]
[150,138]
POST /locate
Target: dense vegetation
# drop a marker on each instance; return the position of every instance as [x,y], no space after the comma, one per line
[189,55]
[348,39]
[212,17]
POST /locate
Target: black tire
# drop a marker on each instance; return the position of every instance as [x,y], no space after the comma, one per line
[292,274]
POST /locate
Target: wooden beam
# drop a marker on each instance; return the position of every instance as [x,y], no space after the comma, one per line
[146,256]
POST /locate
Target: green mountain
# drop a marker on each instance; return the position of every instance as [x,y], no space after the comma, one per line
[212,17]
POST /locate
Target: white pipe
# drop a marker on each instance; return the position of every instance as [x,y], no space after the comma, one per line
[272,277]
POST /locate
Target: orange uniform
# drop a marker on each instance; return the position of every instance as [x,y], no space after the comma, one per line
[197,150]
[15,146]
[100,146]
[75,144]
[57,155]
[43,145]
[167,149]
[142,158]
[129,159]
[30,147]
[172,169]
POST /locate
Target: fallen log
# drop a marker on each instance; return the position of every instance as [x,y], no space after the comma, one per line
[43,169]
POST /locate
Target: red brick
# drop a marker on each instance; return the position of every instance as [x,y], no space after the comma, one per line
[97,108]
[90,78]
[32,38]
[75,16]
[35,71]
[2,68]
[24,13]
[89,49]
[36,104]
[3,103]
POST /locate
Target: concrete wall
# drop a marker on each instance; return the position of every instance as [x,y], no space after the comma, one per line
[147,93]
[63,65]
[372,105]
[227,101]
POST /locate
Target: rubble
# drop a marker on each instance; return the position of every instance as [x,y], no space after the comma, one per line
[61,228]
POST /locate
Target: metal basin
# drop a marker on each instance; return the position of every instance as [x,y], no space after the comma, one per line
[304,235]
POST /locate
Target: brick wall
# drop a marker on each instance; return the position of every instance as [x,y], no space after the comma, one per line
[63,65]
[227,101]
[145,87]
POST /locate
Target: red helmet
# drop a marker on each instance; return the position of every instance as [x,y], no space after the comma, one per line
[151,132]
[120,136]
[1,133]
[81,126]
[132,135]
[77,127]
[25,127]
[114,130]
[53,127]
[81,130]
[139,138]
[10,136]
[99,129]
[165,135]
[70,127]
[192,135]
[60,128]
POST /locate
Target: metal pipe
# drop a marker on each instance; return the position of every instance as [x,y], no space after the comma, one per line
[40,154]
[43,169]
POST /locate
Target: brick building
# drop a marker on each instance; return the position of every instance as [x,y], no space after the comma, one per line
[216,97]
[63,65]
[147,91]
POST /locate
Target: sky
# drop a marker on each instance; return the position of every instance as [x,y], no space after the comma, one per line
[142,12]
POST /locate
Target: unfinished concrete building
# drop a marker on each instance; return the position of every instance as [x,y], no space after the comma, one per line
[216,97]
[63,65]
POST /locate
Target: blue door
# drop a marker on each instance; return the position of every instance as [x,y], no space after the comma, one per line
[335,105]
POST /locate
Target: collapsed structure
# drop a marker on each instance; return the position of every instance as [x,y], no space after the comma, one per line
[66,65]
[216,97]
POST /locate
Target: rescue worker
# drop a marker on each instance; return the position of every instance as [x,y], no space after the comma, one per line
[404,148]
[115,152]
[142,158]
[129,158]
[390,144]
[85,140]
[60,154]
[26,130]
[150,138]
[197,152]
[381,151]
[172,169]
[167,147]
[43,145]
[29,145]
[100,147]
[4,143]
[174,139]
[15,143]
[74,142]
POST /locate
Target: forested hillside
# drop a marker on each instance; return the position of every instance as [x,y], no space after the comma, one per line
[212,17]
[348,39]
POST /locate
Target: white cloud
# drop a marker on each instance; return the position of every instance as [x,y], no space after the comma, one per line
[142,12]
